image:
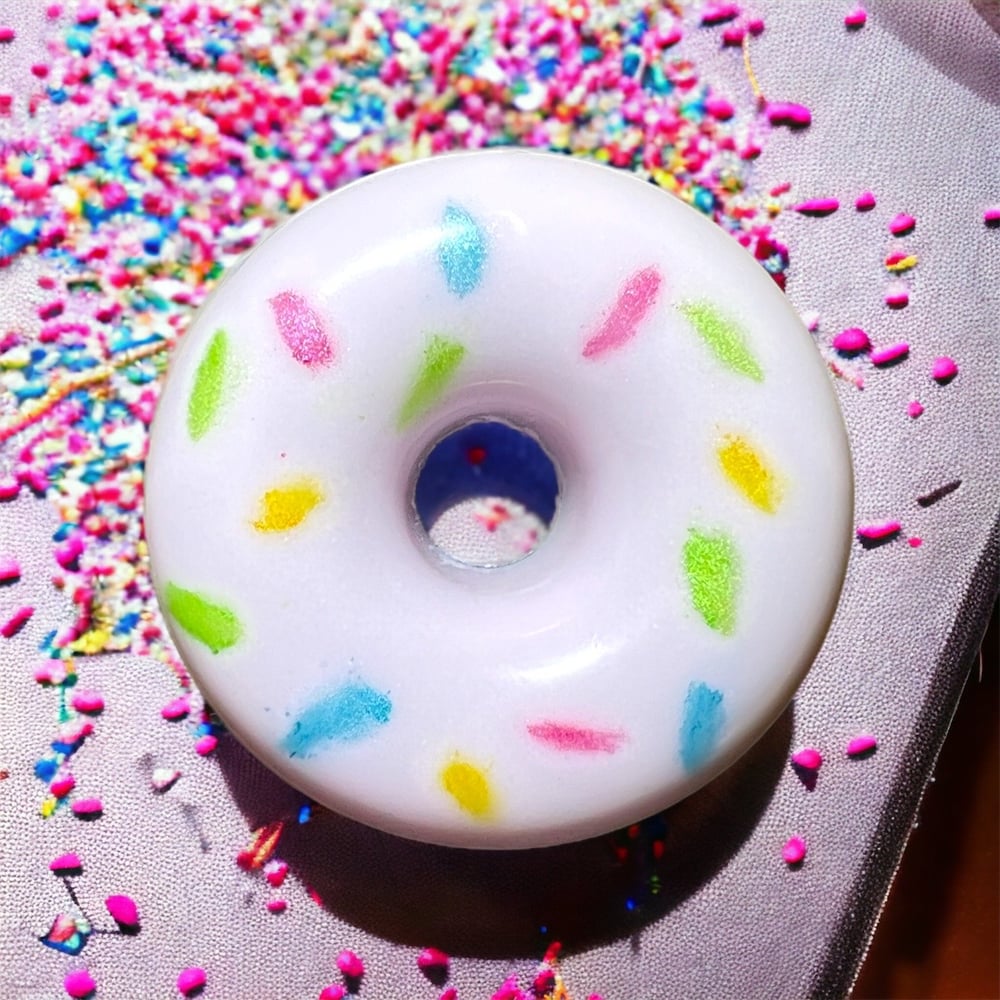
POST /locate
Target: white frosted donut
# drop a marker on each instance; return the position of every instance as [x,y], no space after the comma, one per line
[694,560]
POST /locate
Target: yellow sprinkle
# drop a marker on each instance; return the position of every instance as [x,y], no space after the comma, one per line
[48,807]
[746,469]
[286,507]
[903,264]
[469,787]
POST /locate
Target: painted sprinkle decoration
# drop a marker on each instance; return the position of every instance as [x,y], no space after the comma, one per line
[302,329]
[462,251]
[468,785]
[701,725]
[712,567]
[576,739]
[212,383]
[635,301]
[442,358]
[285,507]
[723,337]
[213,625]
[750,473]
[351,712]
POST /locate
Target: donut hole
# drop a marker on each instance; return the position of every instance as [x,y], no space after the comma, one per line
[486,494]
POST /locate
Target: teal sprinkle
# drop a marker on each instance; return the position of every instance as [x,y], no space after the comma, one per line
[701,726]
[351,712]
[462,250]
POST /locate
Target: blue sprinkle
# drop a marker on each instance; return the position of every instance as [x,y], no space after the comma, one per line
[45,770]
[462,251]
[305,813]
[701,726]
[351,712]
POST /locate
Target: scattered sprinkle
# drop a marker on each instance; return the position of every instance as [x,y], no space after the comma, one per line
[914,542]
[878,533]
[902,224]
[861,746]
[914,408]
[88,702]
[277,905]
[350,965]
[206,744]
[17,621]
[808,758]
[432,960]
[333,992]
[91,808]
[794,851]
[854,340]
[10,569]
[898,262]
[855,18]
[889,355]
[817,206]
[865,201]
[66,863]
[80,984]
[944,370]
[7,34]
[164,778]
[190,981]
[991,217]
[123,911]
[794,116]
[897,296]
[929,499]
[176,709]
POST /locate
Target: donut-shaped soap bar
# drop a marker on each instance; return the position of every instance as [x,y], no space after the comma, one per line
[696,552]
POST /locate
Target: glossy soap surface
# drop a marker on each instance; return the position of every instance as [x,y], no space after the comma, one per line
[693,563]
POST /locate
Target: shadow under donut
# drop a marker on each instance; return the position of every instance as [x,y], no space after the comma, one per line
[499,904]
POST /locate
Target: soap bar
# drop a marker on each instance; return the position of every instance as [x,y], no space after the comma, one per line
[692,563]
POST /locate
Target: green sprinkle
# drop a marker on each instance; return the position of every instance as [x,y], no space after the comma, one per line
[210,385]
[212,624]
[441,360]
[712,567]
[724,338]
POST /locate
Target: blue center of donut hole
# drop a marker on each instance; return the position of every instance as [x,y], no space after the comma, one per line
[486,494]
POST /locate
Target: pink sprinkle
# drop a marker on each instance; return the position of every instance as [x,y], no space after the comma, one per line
[333,993]
[350,965]
[163,778]
[567,737]
[865,201]
[69,552]
[794,851]
[433,960]
[719,107]
[786,113]
[449,994]
[10,569]
[944,370]
[854,340]
[879,531]
[861,745]
[176,709]
[719,13]
[88,702]
[733,35]
[204,746]
[915,408]
[811,319]
[190,981]
[277,905]
[856,17]
[302,329]
[66,862]
[818,206]
[808,759]
[991,216]
[53,11]
[9,489]
[914,542]
[80,984]
[88,14]
[17,621]
[755,26]
[897,296]
[7,34]
[62,786]
[123,910]
[88,808]
[544,982]
[902,224]
[635,301]
[886,355]
[275,873]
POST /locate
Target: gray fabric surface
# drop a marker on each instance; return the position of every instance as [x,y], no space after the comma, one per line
[910,108]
